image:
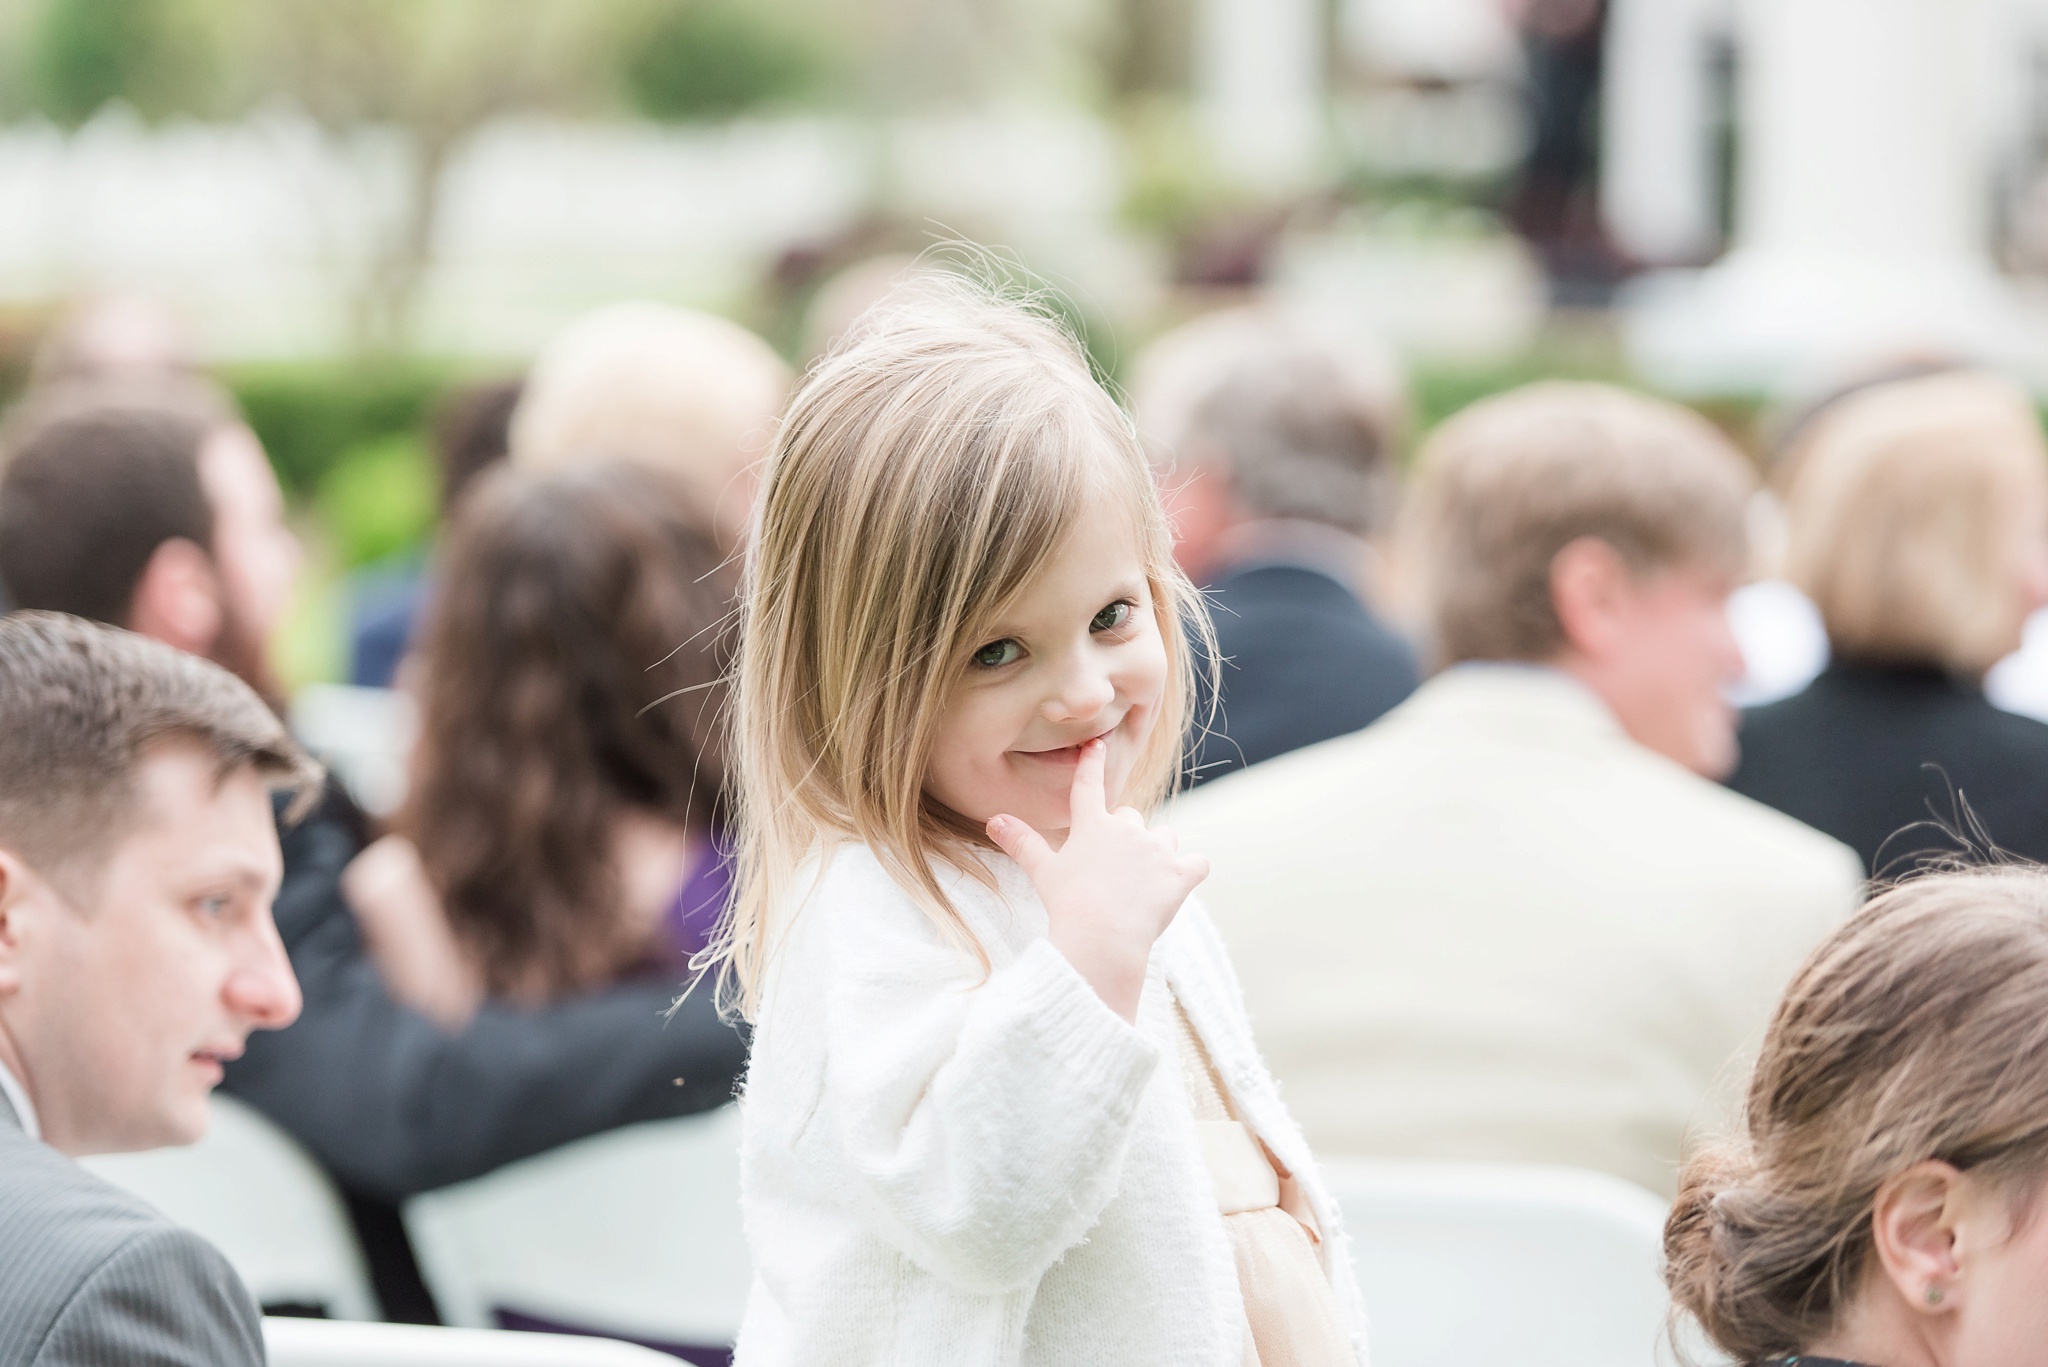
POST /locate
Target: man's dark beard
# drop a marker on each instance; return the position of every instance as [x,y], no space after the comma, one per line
[244,654]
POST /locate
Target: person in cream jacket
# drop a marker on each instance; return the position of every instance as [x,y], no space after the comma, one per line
[1516,919]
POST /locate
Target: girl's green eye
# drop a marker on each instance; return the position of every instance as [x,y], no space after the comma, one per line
[996,654]
[1111,617]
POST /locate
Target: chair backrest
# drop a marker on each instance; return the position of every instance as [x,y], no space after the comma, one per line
[636,1232]
[1463,1263]
[325,1343]
[363,735]
[250,1190]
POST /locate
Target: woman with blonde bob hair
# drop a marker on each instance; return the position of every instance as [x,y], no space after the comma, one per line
[1917,519]
[1883,1203]
[1003,1105]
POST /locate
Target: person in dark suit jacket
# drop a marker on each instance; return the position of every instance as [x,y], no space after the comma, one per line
[1279,437]
[1302,660]
[1918,523]
[157,511]
[137,954]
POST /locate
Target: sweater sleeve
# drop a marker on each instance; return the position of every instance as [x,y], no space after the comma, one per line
[981,1122]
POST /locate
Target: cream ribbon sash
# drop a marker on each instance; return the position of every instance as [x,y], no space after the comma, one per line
[1244,1179]
[1291,1315]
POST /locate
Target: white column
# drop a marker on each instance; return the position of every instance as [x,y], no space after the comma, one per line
[1450,40]
[1259,89]
[1656,140]
[1863,128]
[1862,197]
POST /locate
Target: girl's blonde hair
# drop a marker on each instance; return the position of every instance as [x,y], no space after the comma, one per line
[923,475]
[1918,1030]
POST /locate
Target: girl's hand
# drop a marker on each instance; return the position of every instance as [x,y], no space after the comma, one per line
[1110,890]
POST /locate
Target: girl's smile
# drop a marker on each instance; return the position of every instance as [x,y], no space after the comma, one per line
[1077,657]
[1065,755]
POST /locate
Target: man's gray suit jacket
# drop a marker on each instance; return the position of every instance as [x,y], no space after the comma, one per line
[91,1276]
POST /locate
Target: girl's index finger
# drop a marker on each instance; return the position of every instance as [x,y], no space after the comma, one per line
[1088,798]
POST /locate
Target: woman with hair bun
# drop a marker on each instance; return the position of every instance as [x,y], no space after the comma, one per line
[1883,1204]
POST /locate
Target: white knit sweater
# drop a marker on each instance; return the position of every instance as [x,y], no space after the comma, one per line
[939,1168]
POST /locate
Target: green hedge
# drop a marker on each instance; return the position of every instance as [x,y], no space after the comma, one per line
[1440,391]
[312,414]
[350,444]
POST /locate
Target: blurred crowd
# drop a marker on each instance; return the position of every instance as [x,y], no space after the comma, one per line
[1505,873]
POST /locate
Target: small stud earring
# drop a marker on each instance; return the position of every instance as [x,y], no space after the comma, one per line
[1934,1295]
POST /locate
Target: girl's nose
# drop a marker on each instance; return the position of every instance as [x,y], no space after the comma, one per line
[1084,692]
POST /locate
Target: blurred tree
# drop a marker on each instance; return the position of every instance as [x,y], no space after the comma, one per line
[1147,49]
[705,59]
[436,71]
[919,53]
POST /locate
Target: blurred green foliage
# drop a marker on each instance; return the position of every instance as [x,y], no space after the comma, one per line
[710,59]
[430,65]
[434,72]
[162,57]
[378,500]
[310,415]
[88,52]
[1171,184]
[350,444]
[1440,390]
[1146,49]
[312,642]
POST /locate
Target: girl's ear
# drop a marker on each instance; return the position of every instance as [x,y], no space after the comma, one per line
[1916,1223]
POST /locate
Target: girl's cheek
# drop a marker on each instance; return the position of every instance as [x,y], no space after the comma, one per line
[1151,685]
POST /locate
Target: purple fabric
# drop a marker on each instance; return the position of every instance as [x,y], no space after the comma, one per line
[701,1355]
[700,902]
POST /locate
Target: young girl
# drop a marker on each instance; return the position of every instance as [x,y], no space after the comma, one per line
[1004,1105]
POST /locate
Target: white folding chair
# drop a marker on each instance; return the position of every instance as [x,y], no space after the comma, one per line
[363,734]
[1465,1263]
[249,1189]
[636,1232]
[326,1343]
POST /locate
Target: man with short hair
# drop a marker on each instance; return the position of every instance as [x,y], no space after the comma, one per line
[138,859]
[1516,919]
[1281,439]
[117,488]
[149,504]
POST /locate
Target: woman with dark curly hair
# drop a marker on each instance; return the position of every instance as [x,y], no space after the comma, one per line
[560,830]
